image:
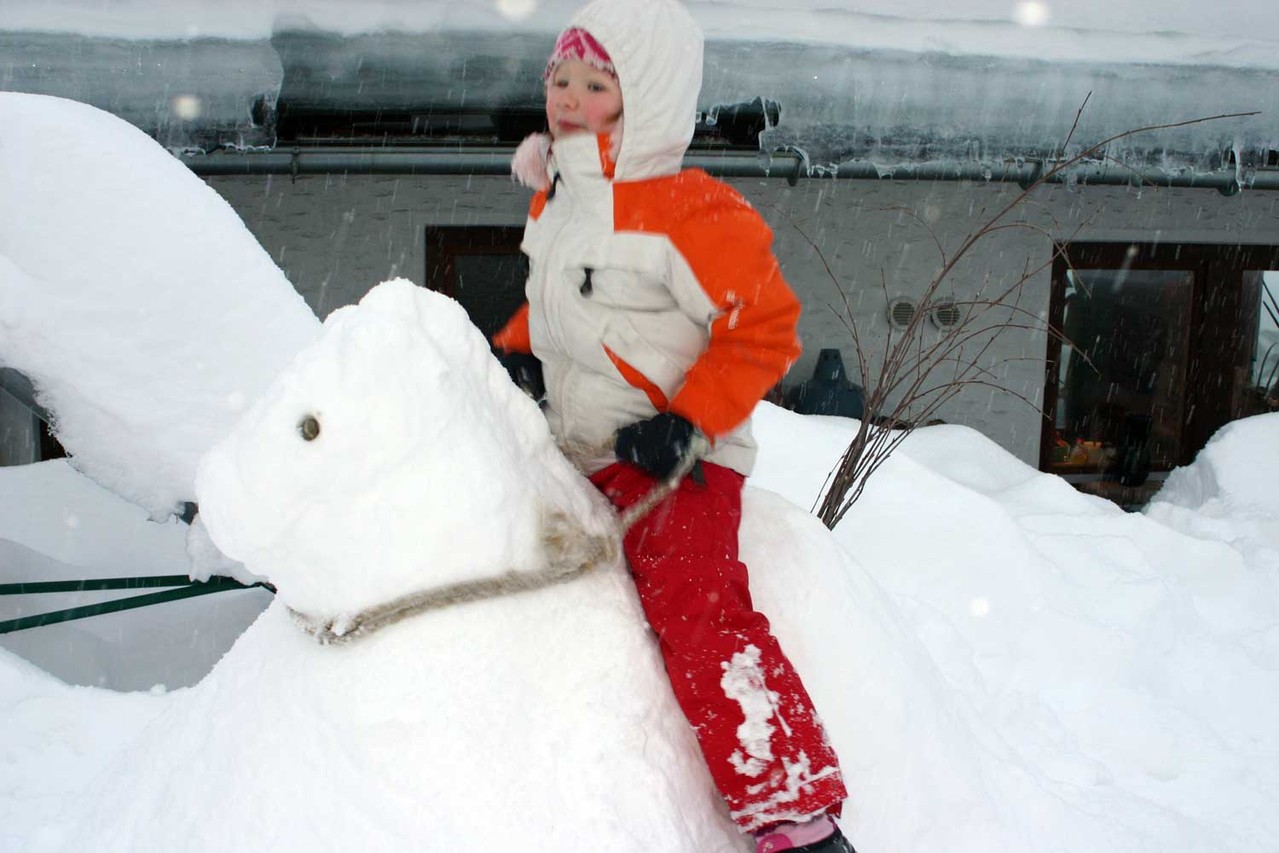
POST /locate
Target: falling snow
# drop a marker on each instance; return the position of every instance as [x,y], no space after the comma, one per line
[999,658]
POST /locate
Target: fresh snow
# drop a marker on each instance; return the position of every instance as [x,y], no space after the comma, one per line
[1004,664]
[987,81]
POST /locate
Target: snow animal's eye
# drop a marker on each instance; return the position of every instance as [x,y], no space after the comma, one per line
[309,427]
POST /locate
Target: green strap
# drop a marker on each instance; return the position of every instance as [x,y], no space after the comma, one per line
[186,588]
[93,583]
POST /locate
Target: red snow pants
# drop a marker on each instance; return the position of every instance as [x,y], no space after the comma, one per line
[764,744]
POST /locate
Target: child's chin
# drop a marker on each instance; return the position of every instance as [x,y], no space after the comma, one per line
[560,133]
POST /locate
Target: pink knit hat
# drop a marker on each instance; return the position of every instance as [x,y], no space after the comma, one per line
[577,43]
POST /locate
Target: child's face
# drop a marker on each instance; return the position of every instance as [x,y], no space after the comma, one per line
[582,99]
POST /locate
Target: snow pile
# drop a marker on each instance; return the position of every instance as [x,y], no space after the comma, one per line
[1229,493]
[1115,677]
[1231,474]
[53,739]
[180,318]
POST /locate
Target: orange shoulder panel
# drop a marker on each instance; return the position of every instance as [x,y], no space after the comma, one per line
[729,249]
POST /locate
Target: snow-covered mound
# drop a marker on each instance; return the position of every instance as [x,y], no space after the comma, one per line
[1229,493]
[1115,676]
[179,317]
[53,740]
[1232,473]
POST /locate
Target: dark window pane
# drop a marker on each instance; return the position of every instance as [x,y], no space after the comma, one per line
[1260,363]
[1121,402]
[490,288]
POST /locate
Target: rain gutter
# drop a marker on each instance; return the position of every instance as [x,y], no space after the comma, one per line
[785,165]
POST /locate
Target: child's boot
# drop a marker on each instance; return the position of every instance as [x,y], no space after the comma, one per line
[819,835]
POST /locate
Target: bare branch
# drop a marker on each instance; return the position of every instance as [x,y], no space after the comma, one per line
[920,370]
[1075,125]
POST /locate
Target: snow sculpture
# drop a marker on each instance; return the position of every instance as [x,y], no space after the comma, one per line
[543,715]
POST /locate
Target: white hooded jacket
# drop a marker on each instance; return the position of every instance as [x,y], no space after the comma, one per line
[650,288]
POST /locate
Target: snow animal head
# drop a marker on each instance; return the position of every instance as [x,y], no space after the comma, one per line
[392,455]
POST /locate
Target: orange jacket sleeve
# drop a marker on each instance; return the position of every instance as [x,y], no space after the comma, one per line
[753,339]
[514,336]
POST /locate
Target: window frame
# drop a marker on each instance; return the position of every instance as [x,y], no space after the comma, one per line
[1216,341]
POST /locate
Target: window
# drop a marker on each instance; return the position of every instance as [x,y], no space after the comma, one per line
[1261,390]
[1164,345]
[482,268]
[25,436]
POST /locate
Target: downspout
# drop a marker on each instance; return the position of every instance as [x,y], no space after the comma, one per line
[785,165]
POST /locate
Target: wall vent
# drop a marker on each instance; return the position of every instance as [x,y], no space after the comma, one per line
[901,311]
[944,314]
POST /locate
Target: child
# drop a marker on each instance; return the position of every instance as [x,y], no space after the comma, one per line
[658,311]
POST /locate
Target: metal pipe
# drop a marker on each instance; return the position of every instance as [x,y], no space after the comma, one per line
[786,165]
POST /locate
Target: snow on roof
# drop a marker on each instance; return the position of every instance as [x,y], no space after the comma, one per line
[1236,33]
[892,82]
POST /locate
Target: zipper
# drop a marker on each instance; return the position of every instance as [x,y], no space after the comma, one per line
[555,330]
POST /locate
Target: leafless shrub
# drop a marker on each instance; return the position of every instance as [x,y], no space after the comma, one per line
[920,373]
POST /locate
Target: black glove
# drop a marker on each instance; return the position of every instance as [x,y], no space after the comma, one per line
[525,370]
[656,445]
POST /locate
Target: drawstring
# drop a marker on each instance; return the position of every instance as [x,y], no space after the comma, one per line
[555,182]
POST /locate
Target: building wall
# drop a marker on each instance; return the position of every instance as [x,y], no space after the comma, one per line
[19,432]
[337,236]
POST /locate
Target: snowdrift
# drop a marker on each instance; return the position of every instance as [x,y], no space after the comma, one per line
[180,318]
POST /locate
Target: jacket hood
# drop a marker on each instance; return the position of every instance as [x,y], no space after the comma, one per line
[656,48]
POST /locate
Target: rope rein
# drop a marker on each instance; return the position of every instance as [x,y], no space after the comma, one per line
[598,550]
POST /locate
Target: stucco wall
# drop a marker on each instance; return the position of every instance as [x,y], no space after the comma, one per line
[337,236]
